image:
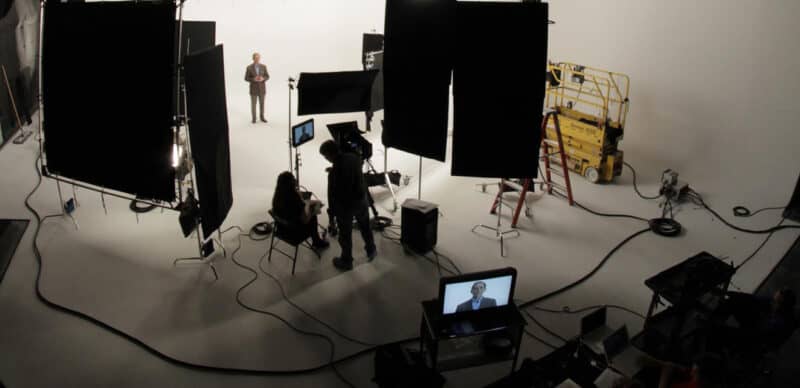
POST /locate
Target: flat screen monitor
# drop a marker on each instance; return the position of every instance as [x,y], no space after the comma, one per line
[477,291]
[303,132]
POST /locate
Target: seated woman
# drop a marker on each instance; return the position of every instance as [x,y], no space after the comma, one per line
[290,206]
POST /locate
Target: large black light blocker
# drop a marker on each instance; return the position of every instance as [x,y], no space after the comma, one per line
[498,88]
[335,92]
[107,71]
[417,64]
[208,132]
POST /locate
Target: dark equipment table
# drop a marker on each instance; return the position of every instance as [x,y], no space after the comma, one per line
[446,351]
[693,288]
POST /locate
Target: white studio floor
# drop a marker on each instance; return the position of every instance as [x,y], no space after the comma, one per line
[118,269]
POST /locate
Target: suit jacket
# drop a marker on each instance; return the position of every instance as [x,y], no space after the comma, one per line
[256,88]
[485,302]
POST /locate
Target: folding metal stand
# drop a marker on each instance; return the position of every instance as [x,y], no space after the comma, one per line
[498,230]
[200,259]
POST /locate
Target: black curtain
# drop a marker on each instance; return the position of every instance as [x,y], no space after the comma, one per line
[498,88]
[208,131]
[417,64]
[197,35]
[107,93]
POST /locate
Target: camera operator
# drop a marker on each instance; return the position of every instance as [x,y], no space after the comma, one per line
[347,198]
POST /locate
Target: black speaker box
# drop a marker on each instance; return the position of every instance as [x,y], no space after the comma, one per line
[419,223]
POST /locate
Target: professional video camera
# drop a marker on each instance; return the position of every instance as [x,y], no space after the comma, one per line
[349,139]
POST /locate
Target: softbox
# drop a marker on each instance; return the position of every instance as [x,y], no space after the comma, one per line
[417,62]
[208,134]
[337,92]
[498,89]
[107,94]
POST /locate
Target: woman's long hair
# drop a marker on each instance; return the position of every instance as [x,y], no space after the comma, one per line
[285,189]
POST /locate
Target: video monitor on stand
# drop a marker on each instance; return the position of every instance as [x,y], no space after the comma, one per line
[301,133]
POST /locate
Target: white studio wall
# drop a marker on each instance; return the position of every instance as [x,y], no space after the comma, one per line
[292,37]
[713,88]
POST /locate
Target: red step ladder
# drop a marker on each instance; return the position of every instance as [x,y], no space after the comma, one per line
[548,147]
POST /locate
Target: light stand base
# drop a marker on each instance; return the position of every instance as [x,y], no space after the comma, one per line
[499,232]
[23,136]
[198,260]
[500,235]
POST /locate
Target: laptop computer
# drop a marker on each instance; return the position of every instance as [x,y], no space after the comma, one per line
[621,355]
[476,302]
[594,330]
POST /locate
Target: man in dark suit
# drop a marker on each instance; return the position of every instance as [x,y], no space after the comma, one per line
[478,301]
[257,75]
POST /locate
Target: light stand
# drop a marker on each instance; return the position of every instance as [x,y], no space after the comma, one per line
[498,230]
[291,87]
[297,166]
[182,121]
[419,180]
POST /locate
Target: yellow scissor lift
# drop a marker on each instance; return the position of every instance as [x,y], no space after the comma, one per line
[592,105]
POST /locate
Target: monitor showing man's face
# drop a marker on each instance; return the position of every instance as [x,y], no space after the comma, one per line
[478,289]
[477,295]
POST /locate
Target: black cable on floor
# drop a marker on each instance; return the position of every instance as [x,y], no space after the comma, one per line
[539,339]
[567,310]
[288,324]
[88,318]
[763,243]
[141,207]
[449,260]
[588,275]
[541,326]
[742,211]
[635,187]
[699,200]
[288,300]
[609,214]
[396,240]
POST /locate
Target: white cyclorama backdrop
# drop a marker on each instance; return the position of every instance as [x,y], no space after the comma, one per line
[292,37]
[713,91]
[496,288]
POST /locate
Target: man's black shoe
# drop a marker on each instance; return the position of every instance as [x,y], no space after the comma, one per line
[321,244]
[344,265]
